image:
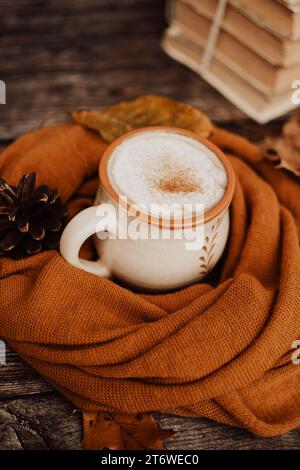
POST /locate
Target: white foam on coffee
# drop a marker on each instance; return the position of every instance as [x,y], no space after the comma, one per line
[161,167]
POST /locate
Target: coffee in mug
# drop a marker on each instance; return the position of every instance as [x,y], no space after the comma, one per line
[167,168]
[152,183]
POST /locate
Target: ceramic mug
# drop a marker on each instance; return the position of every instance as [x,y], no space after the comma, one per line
[155,264]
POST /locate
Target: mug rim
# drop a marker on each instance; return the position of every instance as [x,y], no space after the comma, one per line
[191,222]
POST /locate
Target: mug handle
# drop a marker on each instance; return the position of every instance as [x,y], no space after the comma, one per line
[79,229]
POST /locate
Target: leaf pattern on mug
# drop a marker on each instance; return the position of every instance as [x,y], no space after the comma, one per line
[207,255]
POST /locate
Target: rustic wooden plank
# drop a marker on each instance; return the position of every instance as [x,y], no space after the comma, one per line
[48,422]
[90,54]
[196,433]
[19,379]
[43,422]
[47,106]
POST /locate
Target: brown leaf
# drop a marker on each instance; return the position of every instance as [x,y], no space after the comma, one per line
[143,112]
[122,431]
[285,149]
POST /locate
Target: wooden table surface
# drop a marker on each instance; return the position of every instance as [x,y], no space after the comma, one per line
[57,55]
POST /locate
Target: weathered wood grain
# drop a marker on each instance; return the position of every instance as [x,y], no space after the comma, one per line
[44,422]
[65,55]
[18,379]
[196,433]
[50,422]
[88,54]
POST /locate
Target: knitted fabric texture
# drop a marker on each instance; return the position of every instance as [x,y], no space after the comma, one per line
[221,348]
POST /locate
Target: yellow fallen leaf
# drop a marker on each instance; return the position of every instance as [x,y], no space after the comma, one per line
[285,149]
[144,111]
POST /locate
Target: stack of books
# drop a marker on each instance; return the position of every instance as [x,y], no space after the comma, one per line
[251,54]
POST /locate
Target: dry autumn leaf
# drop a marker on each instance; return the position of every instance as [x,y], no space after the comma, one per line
[122,431]
[143,112]
[285,149]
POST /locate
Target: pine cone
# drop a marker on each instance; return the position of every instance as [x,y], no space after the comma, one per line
[30,218]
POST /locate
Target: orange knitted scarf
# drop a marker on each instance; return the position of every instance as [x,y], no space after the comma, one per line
[221,348]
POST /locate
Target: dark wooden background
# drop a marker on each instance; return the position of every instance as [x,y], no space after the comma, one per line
[57,55]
